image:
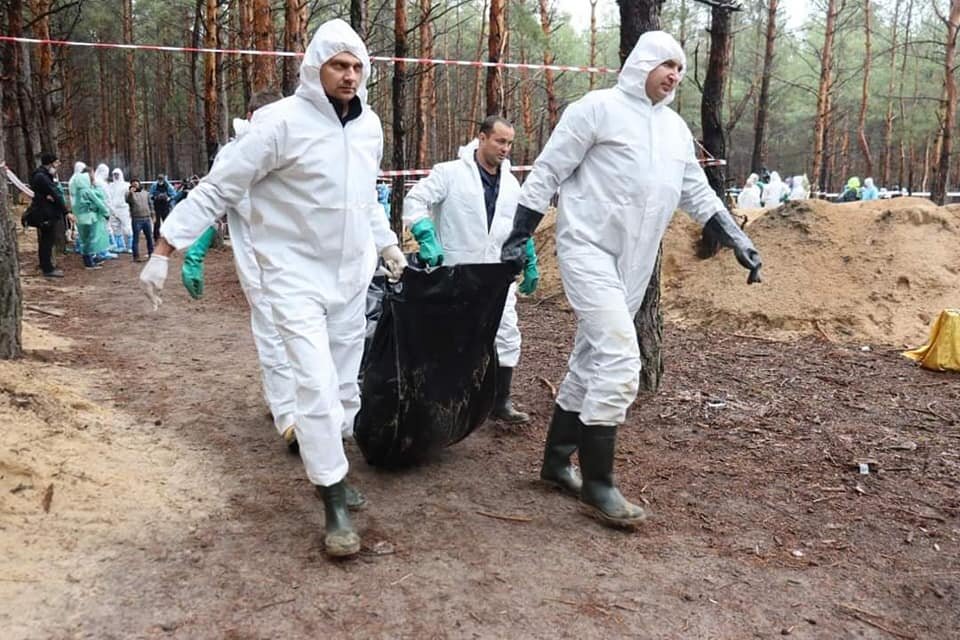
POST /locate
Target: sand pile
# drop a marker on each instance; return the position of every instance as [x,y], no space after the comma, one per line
[874,272]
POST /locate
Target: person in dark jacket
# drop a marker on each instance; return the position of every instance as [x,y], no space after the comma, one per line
[46,211]
[161,197]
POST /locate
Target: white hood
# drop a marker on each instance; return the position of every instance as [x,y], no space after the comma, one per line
[652,49]
[331,38]
[101,173]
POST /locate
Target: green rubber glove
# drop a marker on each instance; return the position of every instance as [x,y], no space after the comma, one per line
[426,235]
[531,275]
[192,272]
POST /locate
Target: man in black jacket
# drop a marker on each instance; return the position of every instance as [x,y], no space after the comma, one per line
[47,209]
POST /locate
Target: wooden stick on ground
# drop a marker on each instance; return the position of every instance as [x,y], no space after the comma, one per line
[862,616]
[500,516]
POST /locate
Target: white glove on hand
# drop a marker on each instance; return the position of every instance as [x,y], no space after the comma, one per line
[152,277]
[394,260]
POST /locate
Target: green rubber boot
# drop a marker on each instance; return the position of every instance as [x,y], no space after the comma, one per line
[563,436]
[601,497]
[340,539]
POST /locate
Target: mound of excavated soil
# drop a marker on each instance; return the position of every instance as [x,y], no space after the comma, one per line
[859,272]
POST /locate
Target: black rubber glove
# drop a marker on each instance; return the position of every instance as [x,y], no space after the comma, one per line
[723,230]
[514,250]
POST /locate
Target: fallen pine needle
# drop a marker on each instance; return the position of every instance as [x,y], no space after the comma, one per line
[549,385]
[500,516]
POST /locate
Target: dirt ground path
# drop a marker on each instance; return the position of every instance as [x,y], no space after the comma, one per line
[175,512]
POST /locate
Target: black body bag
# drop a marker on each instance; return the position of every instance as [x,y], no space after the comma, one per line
[429,373]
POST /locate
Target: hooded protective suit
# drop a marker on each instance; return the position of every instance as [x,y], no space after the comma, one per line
[102,244]
[316,227]
[749,196]
[453,196]
[120,225]
[774,192]
[799,188]
[869,191]
[90,210]
[279,387]
[622,165]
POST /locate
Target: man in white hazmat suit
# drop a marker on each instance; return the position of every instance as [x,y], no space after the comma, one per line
[462,213]
[309,163]
[121,227]
[623,162]
[279,389]
[749,197]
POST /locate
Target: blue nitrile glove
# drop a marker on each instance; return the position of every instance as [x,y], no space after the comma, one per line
[426,235]
[192,271]
[531,275]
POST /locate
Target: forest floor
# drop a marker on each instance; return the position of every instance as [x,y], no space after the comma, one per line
[145,494]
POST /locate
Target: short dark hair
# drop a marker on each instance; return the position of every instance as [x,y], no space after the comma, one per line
[486,127]
[48,158]
[262,99]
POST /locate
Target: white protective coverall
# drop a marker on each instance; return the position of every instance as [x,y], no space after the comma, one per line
[749,197]
[774,191]
[120,223]
[279,386]
[316,228]
[622,165]
[453,196]
[799,188]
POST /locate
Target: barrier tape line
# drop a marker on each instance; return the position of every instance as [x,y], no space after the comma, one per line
[292,54]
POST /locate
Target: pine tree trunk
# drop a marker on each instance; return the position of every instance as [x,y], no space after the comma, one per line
[399,108]
[129,92]
[358,18]
[711,106]
[949,108]
[11,305]
[425,87]
[264,69]
[294,39]
[495,48]
[593,42]
[886,157]
[760,124]
[636,18]
[49,129]
[865,92]
[211,103]
[553,108]
[824,87]
[478,78]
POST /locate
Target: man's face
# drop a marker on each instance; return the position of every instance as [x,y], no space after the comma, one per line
[135,185]
[662,80]
[340,76]
[495,146]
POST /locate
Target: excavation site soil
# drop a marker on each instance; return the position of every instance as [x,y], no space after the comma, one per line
[804,477]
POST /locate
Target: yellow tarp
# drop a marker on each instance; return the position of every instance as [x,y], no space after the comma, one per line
[942,350]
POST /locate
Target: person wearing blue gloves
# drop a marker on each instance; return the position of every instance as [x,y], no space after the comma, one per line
[462,213]
[623,162]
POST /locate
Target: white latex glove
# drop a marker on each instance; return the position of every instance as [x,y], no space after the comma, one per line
[152,277]
[394,260]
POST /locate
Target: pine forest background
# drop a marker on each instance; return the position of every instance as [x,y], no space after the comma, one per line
[859,88]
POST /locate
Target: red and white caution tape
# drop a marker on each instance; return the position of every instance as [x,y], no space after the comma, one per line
[292,54]
[15,181]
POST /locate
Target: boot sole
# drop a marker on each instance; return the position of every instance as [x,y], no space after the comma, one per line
[342,549]
[611,521]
